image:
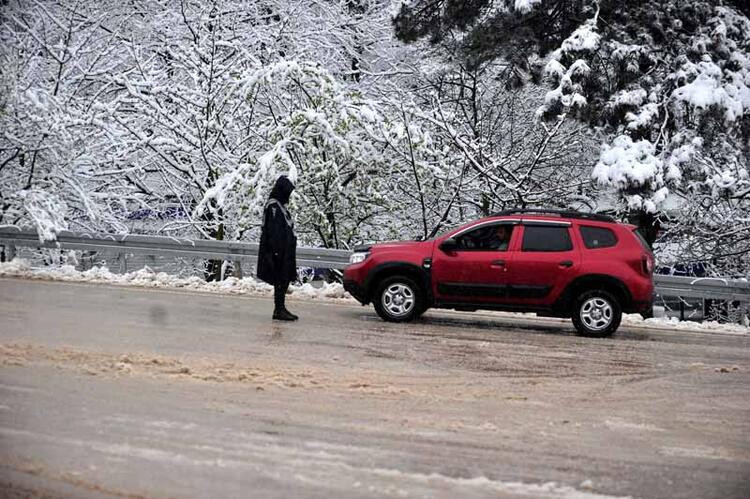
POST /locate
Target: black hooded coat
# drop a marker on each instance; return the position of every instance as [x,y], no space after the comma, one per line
[277,253]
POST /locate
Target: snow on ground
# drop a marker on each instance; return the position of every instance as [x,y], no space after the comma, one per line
[147,278]
[675,323]
[250,286]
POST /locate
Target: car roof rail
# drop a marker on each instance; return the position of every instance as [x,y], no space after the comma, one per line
[563,213]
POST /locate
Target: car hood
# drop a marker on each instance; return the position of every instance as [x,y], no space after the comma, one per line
[390,245]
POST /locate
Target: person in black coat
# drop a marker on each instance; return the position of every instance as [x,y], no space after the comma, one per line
[277,253]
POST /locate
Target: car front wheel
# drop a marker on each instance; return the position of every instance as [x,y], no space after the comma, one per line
[398,299]
[597,314]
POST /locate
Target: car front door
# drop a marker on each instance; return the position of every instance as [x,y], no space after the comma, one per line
[475,270]
[545,262]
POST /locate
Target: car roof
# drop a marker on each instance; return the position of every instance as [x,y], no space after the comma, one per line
[569,214]
[549,218]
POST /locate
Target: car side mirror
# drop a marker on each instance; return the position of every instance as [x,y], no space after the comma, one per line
[449,244]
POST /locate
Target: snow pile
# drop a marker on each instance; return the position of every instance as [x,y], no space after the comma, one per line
[636,321]
[675,323]
[18,267]
[328,290]
[147,278]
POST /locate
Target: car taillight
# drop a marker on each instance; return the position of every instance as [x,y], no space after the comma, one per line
[647,265]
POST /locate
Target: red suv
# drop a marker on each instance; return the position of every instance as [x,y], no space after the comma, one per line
[555,263]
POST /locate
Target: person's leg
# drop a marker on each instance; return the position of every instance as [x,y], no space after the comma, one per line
[279,295]
[279,307]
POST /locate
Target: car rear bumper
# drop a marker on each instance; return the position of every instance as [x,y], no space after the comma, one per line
[645,308]
[642,297]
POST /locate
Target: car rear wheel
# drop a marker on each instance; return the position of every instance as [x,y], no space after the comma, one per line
[398,299]
[597,314]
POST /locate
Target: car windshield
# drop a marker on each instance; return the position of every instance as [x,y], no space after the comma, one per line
[448,229]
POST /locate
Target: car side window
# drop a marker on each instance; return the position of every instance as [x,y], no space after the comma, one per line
[486,238]
[546,238]
[598,237]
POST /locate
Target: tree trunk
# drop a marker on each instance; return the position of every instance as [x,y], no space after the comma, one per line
[647,223]
[212,270]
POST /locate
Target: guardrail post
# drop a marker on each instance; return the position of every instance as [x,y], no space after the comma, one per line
[9,252]
[237,269]
[682,309]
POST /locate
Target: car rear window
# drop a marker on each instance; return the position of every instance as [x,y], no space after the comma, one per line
[598,237]
[541,238]
[642,240]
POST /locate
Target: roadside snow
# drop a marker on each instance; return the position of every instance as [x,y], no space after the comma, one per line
[147,278]
[675,323]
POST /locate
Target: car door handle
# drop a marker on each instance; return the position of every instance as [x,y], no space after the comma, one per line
[566,263]
[498,263]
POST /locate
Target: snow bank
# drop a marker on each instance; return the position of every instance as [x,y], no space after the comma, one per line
[674,323]
[147,278]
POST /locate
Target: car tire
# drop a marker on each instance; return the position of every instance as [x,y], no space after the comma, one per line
[597,314]
[399,299]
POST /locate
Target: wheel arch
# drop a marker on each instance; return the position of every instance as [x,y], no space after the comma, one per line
[590,282]
[382,271]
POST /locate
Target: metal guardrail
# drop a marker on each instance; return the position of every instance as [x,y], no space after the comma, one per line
[732,296]
[683,287]
[703,287]
[167,246]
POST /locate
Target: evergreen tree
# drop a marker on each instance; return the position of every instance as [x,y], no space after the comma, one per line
[666,83]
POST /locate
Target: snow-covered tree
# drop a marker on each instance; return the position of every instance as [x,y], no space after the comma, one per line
[515,160]
[184,112]
[665,83]
[53,57]
[323,137]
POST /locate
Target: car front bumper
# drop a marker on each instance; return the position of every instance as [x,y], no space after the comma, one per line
[354,289]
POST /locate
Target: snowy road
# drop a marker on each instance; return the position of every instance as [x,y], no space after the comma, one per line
[111,392]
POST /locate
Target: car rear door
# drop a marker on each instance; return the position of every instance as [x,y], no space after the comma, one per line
[477,270]
[545,260]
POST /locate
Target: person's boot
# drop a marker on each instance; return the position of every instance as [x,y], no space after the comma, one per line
[283,315]
[293,316]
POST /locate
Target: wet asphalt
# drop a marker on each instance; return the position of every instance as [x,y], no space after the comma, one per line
[122,392]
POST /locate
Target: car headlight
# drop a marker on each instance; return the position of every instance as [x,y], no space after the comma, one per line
[357,257]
